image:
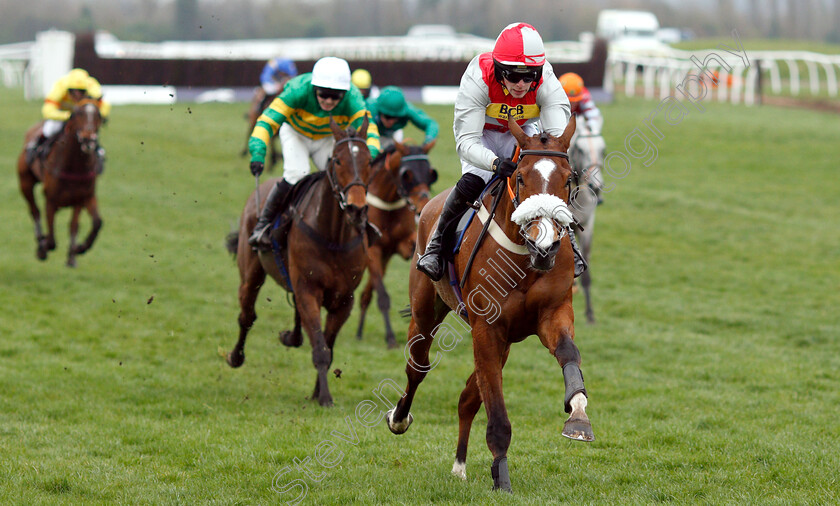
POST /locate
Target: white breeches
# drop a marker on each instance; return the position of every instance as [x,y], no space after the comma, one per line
[297,151]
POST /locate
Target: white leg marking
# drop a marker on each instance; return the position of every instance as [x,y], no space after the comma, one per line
[399,426]
[578,404]
[459,469]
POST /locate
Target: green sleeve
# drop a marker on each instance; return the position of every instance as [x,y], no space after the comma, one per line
[269,122]
[422,121]
[356,104]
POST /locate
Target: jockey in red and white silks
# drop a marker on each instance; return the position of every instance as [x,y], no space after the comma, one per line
[515,79]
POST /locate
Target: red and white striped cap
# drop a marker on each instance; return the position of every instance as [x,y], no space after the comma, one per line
[519,44]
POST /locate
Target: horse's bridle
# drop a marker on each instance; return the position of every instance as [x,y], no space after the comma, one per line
[341,193]
[87,143]
[404,191]
[514,194]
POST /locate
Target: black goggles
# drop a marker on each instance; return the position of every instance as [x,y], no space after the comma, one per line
[515,77]
[328,94]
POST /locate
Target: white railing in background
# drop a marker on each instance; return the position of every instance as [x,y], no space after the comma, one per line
[13,61]
[653,77]
[782,72]
[439,48]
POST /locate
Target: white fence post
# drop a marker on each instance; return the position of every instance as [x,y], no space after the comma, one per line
[830,79]
[794,76]
[52,57]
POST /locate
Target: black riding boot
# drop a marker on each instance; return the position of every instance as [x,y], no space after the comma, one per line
[259,237]
[33,148]
[580,262]
[465,192]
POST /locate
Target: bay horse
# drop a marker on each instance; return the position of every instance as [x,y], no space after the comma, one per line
[324,260]
[587,157]
[68,173]
[398,191]
[519,284]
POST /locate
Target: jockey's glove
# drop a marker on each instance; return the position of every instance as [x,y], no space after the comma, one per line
[257,168]
[503,167]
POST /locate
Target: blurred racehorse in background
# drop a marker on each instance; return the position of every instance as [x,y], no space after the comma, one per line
[398,191]
[68,173]
[587,157]
[259,102]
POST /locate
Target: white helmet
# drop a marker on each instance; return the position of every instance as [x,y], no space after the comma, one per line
[331,72]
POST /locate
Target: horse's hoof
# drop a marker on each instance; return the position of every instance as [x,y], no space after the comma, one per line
[392,343]
[459,470]
[291,339]
[235,359]
[41,253]
[578,429]
[326,403]
[71,263]
[398,427]
[79,249]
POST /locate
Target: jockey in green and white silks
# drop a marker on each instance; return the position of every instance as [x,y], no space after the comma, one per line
[301,114]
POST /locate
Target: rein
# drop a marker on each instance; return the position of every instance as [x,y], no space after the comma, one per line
[403,192]
[514,198]
[340,196]
[67,133]
[341,193]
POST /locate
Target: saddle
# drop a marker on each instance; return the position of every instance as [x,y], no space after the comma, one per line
[291,201]
[454,233]
[288,213]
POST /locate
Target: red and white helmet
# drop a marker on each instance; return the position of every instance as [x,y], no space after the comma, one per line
[519,44]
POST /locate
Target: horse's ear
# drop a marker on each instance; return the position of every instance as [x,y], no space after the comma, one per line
[393,161]
[516,130]
[401,147]
[337,132]
[363,131]
[566,138]
[428,146]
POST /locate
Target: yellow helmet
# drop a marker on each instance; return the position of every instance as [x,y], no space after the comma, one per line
[361,78]
[572,85]
[78,79]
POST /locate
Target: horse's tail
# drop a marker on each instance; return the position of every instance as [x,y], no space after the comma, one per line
[406,311]
[232,241]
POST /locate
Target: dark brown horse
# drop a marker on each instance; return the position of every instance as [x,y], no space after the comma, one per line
[398,191]
[519,284]
[68,174]
[325,258]
[259,102]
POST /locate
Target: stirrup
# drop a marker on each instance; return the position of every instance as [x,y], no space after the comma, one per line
[259,239]
[438,266]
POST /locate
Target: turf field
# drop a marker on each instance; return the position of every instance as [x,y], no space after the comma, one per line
[712,372]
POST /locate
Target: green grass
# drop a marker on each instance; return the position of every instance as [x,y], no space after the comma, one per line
[712,371]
